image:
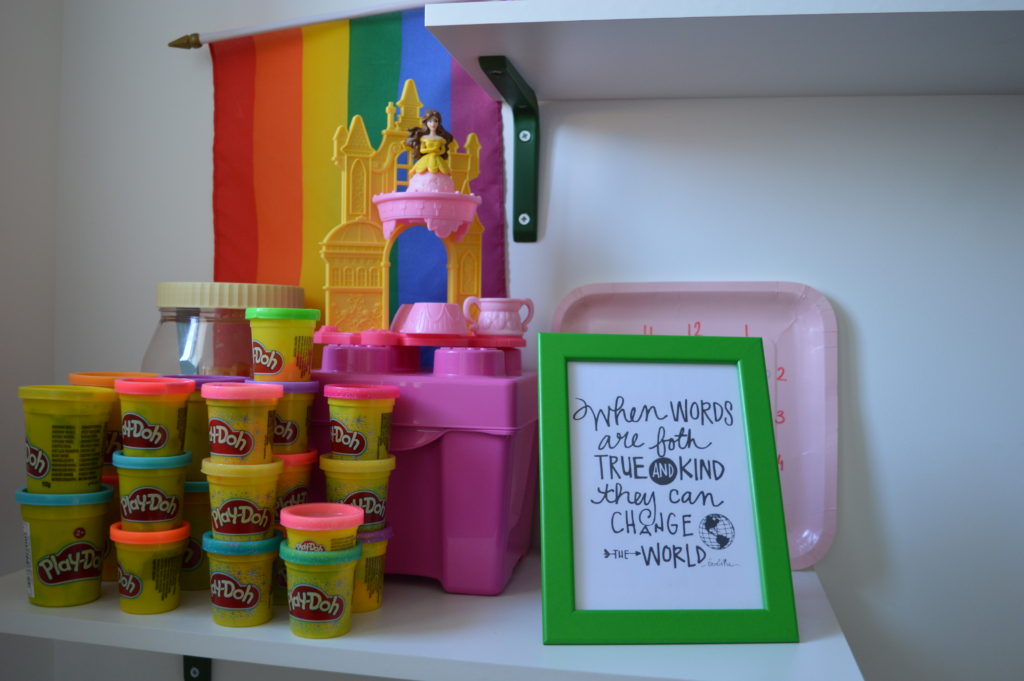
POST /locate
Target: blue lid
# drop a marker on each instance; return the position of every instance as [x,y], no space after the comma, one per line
[23,496]
[241,548]
[151,462]
[192,486]
[292,386]
[321,557]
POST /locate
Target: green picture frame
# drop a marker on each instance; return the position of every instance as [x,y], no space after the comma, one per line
[589,597]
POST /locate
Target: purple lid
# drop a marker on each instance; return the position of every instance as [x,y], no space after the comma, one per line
[375,536]
[200,380]
[292,386]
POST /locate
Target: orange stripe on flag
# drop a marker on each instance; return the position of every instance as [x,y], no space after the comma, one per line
[277,156]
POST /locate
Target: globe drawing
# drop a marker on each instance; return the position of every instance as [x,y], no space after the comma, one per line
[716,531]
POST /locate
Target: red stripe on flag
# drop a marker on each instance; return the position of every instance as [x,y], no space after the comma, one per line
[234,199]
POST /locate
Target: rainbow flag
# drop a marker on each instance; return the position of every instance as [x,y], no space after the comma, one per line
[278,99]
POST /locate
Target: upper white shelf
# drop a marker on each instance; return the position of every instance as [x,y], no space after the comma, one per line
[425,634]
[609,49]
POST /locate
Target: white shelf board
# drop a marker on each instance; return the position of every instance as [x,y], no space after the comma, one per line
[609,49]
[425,634]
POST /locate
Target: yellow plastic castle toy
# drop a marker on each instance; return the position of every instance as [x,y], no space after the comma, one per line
[357,251]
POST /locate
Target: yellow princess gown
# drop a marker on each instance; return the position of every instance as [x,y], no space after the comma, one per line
[431,151]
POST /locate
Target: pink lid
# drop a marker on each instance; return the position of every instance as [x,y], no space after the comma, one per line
[325,516]
[242,391]
[154,385]
[361,392]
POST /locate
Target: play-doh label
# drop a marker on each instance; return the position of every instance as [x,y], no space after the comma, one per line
[309,545]
[345,441]
[293,497]
[309,603]
[226,441]
[374,507]
[138,433]
[193,557]
[285,432]
[240,516]
[149,505]
[128,584]
[228,593]
[73,563]
[266,361]
[37,463]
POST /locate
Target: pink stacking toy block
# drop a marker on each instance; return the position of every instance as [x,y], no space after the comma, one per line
[461,497]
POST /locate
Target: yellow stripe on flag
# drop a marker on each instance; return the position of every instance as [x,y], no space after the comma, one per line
[325,64]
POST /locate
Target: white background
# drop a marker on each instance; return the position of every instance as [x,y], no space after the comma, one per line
[604,583]
[906,212]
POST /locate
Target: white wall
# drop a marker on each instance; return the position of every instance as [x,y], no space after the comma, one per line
[905,212]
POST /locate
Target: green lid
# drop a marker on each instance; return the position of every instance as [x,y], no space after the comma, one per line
[291,555]
[282,313]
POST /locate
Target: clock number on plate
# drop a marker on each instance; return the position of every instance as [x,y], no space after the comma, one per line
[780,374]
[648,330]
[693,329]
[782,465]
[780,417]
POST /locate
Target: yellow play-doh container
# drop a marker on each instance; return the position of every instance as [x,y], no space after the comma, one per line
[282,342]
[242,500]
[321,527]
[153,414]
[152,491]
[109,572]
[368,590]
[197,423]
[240,421]
[64,540]
[148,568]
[241,580]
[112,435]
[64,437]
[293,483]
[320,590]
[360,426]
[360,483]
[289,424]
[195,566]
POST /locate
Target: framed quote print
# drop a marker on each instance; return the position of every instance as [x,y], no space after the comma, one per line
[661,510]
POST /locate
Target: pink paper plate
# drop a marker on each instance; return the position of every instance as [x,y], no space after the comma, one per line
[799,331]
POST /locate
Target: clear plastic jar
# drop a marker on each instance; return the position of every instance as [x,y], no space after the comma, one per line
[203,330]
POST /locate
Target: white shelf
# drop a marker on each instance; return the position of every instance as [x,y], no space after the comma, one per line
[609,49]
[425,634]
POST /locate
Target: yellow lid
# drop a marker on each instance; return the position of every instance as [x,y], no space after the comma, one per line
[216,294]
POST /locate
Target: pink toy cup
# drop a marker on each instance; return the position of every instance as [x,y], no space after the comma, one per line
[498,316]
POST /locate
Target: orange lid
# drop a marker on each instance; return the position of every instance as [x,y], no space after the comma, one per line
[160,537]
[103,379]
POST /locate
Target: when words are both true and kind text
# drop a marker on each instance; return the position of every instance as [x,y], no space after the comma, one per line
[658,476]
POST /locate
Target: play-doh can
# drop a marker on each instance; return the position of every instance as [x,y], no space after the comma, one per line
[148,568]
[153,414]
[320,590]
[241,579]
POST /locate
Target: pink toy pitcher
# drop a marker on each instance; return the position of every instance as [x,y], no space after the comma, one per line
[498,316]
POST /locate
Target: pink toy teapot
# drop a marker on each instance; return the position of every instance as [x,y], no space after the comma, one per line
[498,316]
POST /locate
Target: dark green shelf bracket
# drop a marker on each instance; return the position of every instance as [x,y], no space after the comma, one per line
[526,121]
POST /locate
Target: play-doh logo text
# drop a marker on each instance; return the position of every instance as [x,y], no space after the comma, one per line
[138,433]
[149,505]
[373,506]
[265,361]
[75,562]
[128,585]
[226,441]
[227,592]
[240,516]
[309,604]
[37,463]
[285,432]
[345,441]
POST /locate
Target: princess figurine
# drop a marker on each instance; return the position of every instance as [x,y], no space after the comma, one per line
[428,145]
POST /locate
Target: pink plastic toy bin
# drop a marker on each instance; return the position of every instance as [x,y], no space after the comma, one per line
[461,498]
